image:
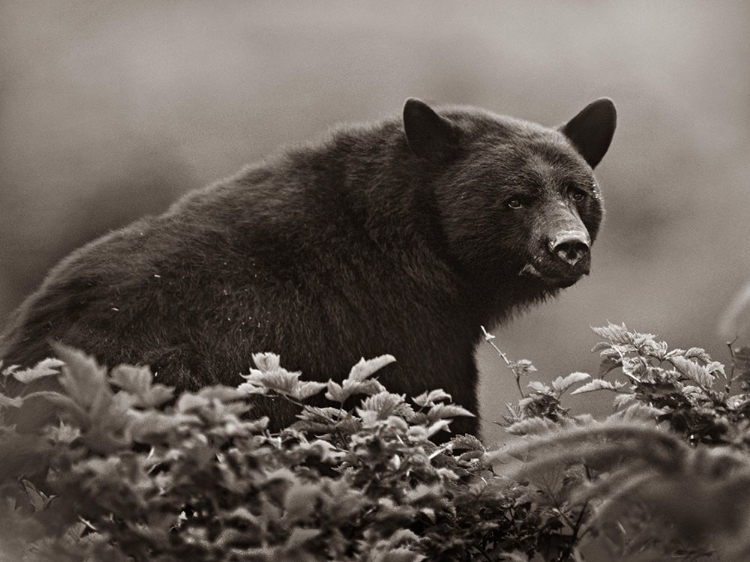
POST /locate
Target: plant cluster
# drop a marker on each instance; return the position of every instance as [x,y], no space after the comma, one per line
[129,471]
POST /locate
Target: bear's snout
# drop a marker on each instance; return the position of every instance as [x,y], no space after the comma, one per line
[571,247]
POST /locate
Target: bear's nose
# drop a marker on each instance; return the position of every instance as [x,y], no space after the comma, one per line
[570,246]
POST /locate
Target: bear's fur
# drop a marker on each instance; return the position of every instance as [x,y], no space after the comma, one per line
[401,237]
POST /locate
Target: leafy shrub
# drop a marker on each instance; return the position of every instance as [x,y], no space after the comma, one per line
[130,472]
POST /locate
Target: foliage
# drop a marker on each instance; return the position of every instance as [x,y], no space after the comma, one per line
[131,472]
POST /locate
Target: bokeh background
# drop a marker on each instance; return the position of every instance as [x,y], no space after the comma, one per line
[110,110]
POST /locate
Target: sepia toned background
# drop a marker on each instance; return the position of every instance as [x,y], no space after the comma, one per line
[110,110]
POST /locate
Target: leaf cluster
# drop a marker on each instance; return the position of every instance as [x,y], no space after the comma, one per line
[130,471]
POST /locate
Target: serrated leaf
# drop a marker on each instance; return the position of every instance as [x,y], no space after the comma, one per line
[279,380]
[698,353]
[561,384]
[597,384]
[622,400]
[368,367]
[151,426]
[440,411]
[45,368]
[714,367]
[10,402]
[693,371]
[440,425]
[467,442]
[299,537]
[313,413]
[39,500]
[522,367]
[341,392]
[637,412]
[62,434]
[335,392]
[188,402]
[532,426]
[79,415]
[383,405]
[250,388]
[300,500]
[742,353]
[221,393]
[430,398]
[614,333]
[266,362]
[656,349]
[82,377]
[138,381]
[304,390]
[602,345]
[539,387]
[608,364]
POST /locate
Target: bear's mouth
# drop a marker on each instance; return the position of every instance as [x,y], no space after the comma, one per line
[557,280]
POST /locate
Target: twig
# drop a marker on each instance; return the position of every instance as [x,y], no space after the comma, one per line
[488,338]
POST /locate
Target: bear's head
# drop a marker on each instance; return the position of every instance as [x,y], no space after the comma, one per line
[518,203]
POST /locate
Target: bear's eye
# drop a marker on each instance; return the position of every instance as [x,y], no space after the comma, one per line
[578,195]
[514,203]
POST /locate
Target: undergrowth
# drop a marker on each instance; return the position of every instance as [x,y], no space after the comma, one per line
[128,471]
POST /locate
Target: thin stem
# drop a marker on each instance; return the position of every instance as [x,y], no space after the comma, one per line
[576,529]
[731,355]
[488,338]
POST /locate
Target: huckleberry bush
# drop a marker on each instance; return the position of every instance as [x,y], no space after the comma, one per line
[129,471]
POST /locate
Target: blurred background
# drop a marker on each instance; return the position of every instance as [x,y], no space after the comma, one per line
[110,110]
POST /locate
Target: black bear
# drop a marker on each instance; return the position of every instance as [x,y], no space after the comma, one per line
[400,237]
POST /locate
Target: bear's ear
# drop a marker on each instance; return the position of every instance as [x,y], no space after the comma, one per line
[592,129]
[429,135]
